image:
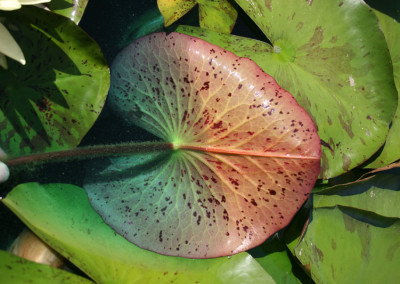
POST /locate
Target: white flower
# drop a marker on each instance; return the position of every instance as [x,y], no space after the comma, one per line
[4,171]
[9,5]
[8,46]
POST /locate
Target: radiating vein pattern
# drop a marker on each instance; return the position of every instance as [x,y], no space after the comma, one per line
[246,155]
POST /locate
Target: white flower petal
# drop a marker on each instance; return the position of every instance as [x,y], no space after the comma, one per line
[4,172]
[3,62]
[32,2]
[9,47]
[9,5]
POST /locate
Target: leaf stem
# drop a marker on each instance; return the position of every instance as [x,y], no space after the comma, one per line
[89,152]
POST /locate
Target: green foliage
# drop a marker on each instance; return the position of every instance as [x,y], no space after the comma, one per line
[50,103]
[332,56]
[216,15]
[72,9]
[390,152]
[61,215]
[345,245]
[14,269]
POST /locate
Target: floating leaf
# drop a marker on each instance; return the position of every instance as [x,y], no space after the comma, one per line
[379,194]
[52,102]
[61,215]
[342,245]
[216,15]
[391,151]
[14,269]
[246,154]
[72,9]
[336,64]
[274,258]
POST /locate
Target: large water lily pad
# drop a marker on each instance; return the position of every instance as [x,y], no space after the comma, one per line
[342,245]
[332,56]
[52,101]
[245,156]
[61,215]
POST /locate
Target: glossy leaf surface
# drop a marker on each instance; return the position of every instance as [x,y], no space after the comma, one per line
[61,215]
[14,269]
[391,150]
[216,15]
[274,258]
[246,155]
[342,245]
[379,194]
[52,101]
[72,9]
[335,64]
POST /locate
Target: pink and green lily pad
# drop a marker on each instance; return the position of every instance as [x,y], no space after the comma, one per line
[245,155]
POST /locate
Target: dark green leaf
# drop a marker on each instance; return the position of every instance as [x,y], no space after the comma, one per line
[52,101]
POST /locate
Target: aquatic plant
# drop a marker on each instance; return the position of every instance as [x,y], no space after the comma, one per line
[336,65]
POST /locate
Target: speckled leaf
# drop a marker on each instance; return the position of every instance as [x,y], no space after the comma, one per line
[52,101]
[379,194]
[72,9]
[61,215]
[14,269]
[349,246]
[216,15]
[173,10]
[246,154]
[391,151]
[332,56]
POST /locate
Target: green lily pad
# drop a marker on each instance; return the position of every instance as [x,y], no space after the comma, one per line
[51,102]
[379,194]
[333,58]
[14,269]
[349,246]
[61,215]
[216,15]
[391,151]
[274,258]
[72,9]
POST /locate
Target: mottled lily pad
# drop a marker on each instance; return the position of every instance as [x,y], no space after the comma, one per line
[51,102]
[342,245]
[216,15]
[332,56]
[245,156]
